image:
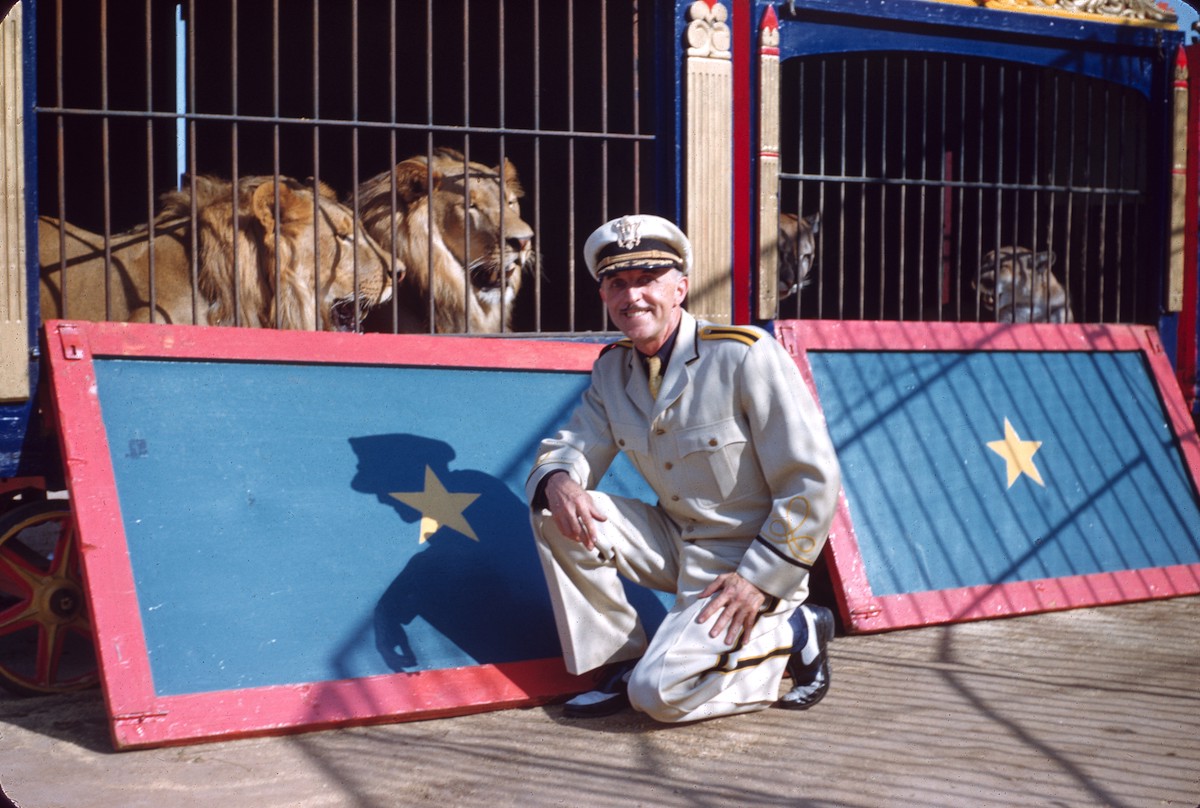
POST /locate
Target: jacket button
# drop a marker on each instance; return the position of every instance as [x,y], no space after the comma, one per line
[660,431]
[621,442]
[674,497]
[712,441]
[668,466]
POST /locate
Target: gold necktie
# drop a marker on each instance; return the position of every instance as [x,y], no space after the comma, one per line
[654,368]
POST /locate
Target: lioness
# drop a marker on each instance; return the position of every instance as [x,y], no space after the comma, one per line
[1016,285]
[797,246]
[263,294]
[464,243]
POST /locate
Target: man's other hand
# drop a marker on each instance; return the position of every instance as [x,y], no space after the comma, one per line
[739,603]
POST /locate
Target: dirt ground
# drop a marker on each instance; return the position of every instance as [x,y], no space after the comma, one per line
[1092,707]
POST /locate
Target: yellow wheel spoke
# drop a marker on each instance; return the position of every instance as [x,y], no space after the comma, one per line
[49,652]
[63,563]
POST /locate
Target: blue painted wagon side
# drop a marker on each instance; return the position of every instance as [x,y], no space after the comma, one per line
[1135,56]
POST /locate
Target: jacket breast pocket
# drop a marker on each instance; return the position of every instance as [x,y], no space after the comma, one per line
[631,439]
[713,454]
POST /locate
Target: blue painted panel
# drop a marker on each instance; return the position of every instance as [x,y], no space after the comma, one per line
[931,502]
[265,541]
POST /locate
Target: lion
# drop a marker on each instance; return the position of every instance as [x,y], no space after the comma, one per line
[463,241]
[797,247]
[1017,286]
[354,272]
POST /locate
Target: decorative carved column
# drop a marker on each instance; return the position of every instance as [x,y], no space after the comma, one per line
[708,160]
[768,166]
[14,325]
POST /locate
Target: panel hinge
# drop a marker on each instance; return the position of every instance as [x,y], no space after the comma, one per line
[72,341]
[866,612]
[139,717]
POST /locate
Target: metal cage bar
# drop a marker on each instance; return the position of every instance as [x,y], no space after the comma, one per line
[962,173]
[335,99]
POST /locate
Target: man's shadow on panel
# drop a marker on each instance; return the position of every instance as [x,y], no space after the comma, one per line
[485,595]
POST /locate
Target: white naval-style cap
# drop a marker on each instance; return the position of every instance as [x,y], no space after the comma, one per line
[637,241]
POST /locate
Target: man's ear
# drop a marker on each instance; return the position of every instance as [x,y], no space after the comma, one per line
[682,288]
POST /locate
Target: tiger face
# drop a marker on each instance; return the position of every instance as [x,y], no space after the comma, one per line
[797,248]
[1016,285]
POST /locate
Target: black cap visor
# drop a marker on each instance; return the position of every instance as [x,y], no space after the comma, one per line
[646,254]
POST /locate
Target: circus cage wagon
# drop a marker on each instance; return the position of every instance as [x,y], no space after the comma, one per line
[912,141]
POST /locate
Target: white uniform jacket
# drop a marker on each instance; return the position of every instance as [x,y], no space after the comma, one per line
[734,446]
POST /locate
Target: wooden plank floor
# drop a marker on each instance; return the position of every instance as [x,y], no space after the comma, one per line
[1092,707]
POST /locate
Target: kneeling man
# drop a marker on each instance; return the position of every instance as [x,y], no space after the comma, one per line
[721,425]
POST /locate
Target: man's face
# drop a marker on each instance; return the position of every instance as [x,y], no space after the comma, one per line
[645,304]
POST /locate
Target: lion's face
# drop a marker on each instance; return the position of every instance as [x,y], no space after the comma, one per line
[483,232]
[457,227]
[329,265]
[1016,284]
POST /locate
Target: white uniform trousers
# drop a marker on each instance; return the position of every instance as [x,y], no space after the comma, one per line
[684,674]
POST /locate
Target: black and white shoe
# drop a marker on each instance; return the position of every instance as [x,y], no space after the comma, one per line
[611,696]
[809,663]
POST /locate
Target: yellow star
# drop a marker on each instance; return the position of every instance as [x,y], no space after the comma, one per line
[1017,454]
[438,507]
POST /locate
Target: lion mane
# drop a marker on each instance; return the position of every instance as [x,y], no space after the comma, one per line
[259,263]
[456,225]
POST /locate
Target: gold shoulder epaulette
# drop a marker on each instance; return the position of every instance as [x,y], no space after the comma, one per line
[746,336]
[621,343]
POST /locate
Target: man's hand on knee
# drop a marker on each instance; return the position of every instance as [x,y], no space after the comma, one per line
[738,602]
[574,511]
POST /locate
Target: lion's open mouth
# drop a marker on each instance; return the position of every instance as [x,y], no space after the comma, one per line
[341,314]
[487,277]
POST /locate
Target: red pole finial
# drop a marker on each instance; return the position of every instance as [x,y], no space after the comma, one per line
[770,22]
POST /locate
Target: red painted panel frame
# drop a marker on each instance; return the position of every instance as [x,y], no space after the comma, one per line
[862,611]
[139,717]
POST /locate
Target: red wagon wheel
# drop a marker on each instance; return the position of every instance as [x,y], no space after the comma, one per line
[45,631]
